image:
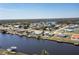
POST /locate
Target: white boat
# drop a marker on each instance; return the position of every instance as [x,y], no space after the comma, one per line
[13,47]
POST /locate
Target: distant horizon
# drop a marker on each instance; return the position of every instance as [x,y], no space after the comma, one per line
[38,10]
[41,18]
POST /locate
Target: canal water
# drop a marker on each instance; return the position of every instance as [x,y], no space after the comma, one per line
[34,46]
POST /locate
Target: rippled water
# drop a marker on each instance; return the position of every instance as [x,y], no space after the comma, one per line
[34,46]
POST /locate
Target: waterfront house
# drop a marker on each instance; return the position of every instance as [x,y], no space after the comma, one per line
[75,37]
[48,33]
[61,35]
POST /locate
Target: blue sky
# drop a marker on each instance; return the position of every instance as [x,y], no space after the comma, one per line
[32,11]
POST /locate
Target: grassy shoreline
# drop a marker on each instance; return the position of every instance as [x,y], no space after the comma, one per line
[57,39]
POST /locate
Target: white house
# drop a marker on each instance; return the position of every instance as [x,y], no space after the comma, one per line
[16,26]
[69,30]
[37,32]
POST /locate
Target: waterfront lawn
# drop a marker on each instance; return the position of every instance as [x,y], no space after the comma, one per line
[67,40]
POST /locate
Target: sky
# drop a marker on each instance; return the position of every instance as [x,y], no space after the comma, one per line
[38,10]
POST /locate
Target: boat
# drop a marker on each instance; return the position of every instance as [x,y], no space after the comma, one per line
[12,49]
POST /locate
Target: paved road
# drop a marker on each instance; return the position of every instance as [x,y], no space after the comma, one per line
[57,31]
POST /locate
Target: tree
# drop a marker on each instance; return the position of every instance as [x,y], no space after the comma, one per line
[25,27]
[20,26]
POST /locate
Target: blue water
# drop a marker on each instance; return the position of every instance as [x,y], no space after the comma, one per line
[34,46]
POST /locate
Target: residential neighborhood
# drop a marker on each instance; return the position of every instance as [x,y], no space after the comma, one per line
[39,28]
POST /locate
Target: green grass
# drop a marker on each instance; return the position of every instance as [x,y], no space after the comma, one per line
[64,40]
